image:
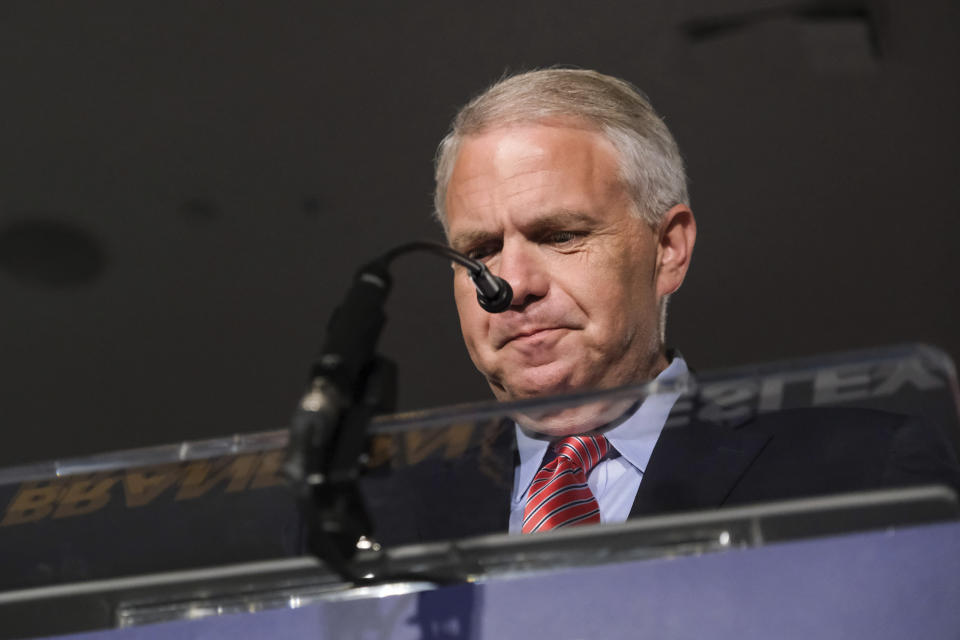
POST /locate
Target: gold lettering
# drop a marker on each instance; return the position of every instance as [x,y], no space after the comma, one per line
[423,442]
[34,501]
[85,495]
[141,486]
[203,475]
[268,473]
[383,447]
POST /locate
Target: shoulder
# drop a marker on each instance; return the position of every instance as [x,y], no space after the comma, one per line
[857,448]
[858,432]
[835,421]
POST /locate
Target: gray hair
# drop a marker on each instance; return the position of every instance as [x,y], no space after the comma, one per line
[650,163]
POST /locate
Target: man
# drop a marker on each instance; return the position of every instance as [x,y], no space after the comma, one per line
[568,185]
[584,213]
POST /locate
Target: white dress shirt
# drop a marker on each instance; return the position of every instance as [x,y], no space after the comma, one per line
[616,479]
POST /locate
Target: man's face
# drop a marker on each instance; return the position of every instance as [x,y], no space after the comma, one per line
[543,207]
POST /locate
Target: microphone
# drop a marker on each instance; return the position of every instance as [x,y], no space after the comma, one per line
[493,292]
[355,325]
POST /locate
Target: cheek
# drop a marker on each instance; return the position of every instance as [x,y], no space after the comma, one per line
[622,308]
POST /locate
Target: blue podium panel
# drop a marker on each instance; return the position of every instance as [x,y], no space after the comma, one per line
[902,583]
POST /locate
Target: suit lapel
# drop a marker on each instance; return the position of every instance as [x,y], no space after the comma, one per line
[695,466]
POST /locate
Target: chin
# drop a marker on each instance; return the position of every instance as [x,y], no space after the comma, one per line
[573,420]
[538,382]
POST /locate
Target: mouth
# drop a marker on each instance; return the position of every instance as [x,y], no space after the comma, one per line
[531,335]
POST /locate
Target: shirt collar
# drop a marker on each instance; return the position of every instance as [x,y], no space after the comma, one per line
[637,435]
[634,438]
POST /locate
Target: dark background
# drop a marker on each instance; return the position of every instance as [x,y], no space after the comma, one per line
[186,187]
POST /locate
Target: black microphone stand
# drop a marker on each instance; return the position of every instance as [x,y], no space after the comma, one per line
[350,384]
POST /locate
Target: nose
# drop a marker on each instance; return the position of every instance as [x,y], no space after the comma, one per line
[521,265]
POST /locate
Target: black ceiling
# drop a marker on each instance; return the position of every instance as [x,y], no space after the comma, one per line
[186,187]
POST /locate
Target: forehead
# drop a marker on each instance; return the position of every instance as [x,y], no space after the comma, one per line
[531,169]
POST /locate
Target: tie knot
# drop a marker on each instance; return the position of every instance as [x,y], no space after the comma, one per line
[583,451]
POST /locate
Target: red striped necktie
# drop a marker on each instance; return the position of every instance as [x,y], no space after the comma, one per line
[559,495]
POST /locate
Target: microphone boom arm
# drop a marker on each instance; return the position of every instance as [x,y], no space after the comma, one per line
[350,383]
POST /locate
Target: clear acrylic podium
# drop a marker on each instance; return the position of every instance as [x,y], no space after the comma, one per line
[203,539]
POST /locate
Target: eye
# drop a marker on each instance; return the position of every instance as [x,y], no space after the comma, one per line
[562,237]
[482,251]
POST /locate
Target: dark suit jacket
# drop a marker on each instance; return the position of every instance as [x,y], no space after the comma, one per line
[792,454]
[700,465]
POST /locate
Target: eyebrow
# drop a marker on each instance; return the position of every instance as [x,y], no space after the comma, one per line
[561,219]
[553,220]
[471,238]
